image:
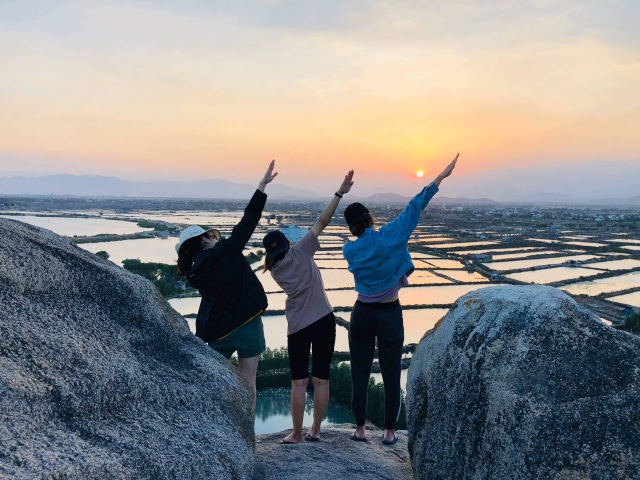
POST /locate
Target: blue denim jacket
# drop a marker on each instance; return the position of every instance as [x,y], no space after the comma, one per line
[378,258]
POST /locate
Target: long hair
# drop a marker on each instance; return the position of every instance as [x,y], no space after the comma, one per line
[188,253]
[268,265]
[358,228]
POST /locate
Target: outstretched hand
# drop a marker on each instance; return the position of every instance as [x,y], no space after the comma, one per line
[347,183]
[268,176]
[447,171]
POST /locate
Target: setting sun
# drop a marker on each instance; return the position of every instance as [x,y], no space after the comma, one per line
[419,173]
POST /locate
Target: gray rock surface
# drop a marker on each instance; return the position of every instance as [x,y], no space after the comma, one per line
[100,377]
[520,382]
[334,457]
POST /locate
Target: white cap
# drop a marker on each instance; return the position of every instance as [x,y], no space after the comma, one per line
[191,232]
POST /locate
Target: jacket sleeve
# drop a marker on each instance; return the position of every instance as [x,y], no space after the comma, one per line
[400,229]
[242,232]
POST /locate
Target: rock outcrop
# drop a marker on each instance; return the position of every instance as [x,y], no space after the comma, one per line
[522,383]
[100,377]
[335,456]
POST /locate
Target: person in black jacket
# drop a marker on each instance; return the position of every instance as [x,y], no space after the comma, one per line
[232,296]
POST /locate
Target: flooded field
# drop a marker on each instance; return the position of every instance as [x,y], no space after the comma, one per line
[426,277]
[627,240]
[439,263]
[550,275]
[444,246]
[145,249]
[586,244]
[605,285]
[517,265]
[463,275]
[81,227]
[632,299]
[417,322]
[515,256]
[192,218]
[499,250]
[626,264]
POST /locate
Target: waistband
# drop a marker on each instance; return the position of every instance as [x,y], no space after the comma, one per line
[379,305]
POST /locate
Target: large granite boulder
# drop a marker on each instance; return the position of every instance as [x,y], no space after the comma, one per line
[100,377]
[520,382]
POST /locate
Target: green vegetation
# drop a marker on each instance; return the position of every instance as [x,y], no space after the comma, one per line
[103,254]
[163,276]
[273,371]
[155,225]
[632,323]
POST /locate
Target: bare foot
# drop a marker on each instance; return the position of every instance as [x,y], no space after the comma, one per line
[388,435]
[359,435]
[313,434]
[292,439]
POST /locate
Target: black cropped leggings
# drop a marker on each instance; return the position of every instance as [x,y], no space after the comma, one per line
[381,321]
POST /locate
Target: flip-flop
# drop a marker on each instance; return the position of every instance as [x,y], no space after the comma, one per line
[284,442]
[309,438]
[355,438]
[390,442]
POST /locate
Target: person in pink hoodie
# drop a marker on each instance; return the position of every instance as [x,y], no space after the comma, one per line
[311,323]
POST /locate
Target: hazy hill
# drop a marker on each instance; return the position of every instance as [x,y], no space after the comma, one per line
[105,186]
[101,186]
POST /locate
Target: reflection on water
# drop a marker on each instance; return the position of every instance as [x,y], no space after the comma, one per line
[434,295]
[80,226]
[462,275]
[439,263]
[632,299]
[144,249]
[624,264]
[496,250]
[417,322]
[403,378]
[421,295]
[273,411]
[504,266]
[549,275]
[604,285]
[463,244]
[515,256]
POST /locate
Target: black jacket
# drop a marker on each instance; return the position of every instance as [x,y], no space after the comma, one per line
[231,292]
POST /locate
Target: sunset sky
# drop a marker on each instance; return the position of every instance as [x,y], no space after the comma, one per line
[191,90]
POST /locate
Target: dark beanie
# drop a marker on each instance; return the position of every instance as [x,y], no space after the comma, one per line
[356,212]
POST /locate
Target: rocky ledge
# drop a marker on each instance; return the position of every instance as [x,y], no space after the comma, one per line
[335,456]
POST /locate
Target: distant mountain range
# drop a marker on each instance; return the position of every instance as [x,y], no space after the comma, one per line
[104,186]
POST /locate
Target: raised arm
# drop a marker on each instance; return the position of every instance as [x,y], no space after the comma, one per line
[325,217]
[268,176]
[242,232]
[447,171]
[400,229]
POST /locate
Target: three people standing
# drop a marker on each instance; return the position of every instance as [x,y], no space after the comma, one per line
[233,300]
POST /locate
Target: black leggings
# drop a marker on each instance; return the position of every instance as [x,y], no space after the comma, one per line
[384,322]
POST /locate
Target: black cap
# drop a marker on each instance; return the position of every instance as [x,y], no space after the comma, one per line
[274,243]
[356,212]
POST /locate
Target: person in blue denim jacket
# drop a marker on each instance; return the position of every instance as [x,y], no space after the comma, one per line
[380,263]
